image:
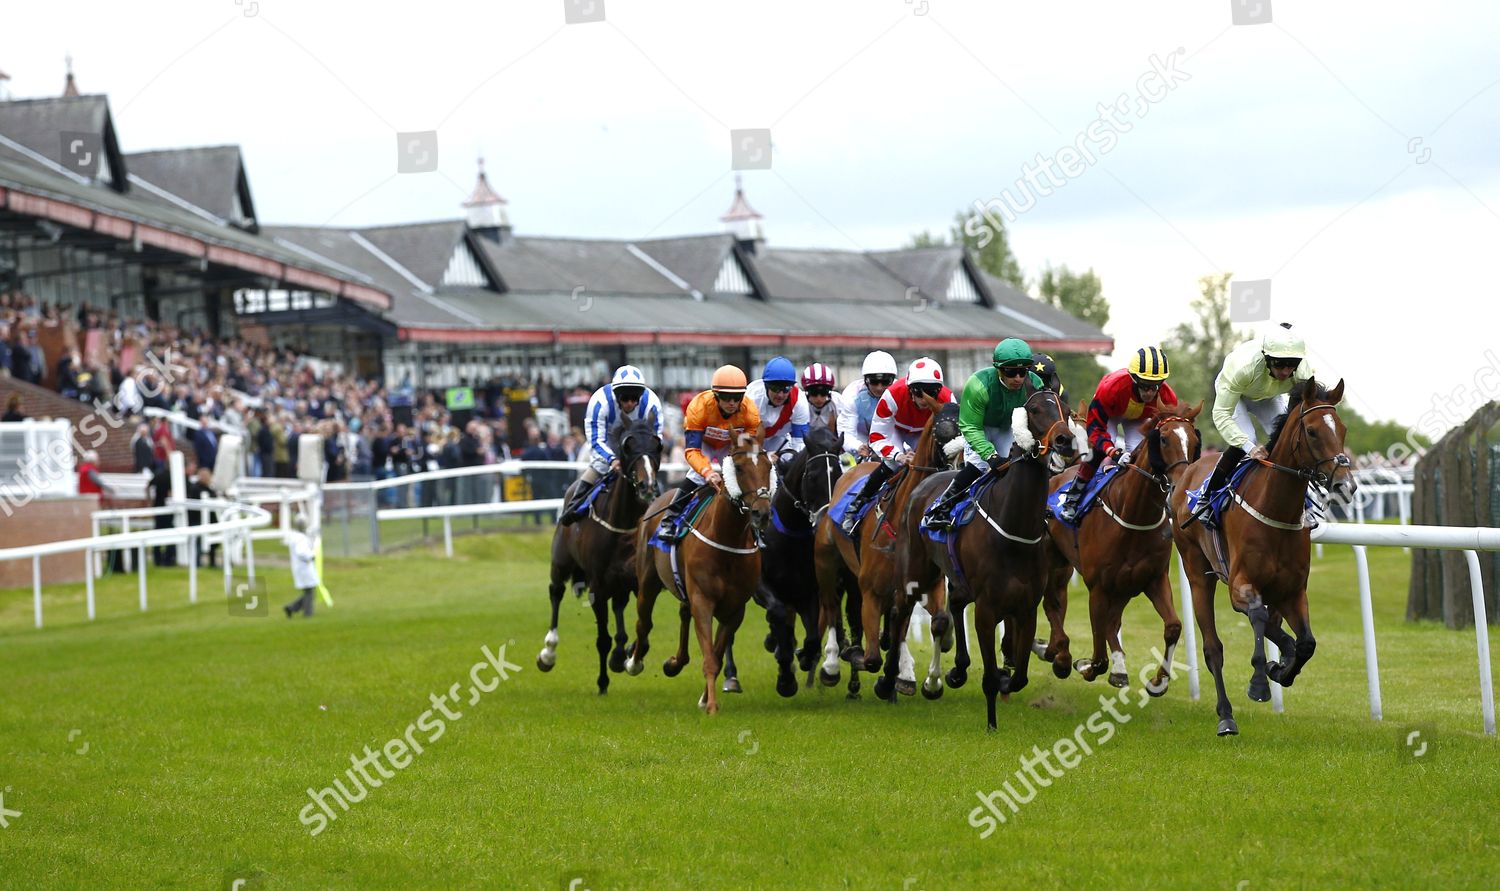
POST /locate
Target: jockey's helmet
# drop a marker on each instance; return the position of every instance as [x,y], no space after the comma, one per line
[925,370]
[729,380]
[1149,364]
[780,369]
[1281,342]
[1012,350]
[818,375]
[879,362]
[628,377]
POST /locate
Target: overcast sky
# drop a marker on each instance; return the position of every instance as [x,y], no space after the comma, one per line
[1284,150]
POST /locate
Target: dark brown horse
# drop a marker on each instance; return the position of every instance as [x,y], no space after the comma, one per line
[718,561]
[1267,544]
[1001,566]
[868,571]
[1123,547]
[598,552]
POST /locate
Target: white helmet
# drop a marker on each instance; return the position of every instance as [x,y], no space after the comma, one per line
[627,376]
[1283,343]
[879,362]
[925,370]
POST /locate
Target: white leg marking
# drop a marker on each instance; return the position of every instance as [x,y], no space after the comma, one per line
[1117,662]
[831,653]
[908,664]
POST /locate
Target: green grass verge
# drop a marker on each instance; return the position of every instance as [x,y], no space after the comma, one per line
[200,733]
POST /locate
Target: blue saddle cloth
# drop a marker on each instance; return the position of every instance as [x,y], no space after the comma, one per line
[840,506]
[1096,485]
[667,532]
[1219,501]
[963,510]
[598,488]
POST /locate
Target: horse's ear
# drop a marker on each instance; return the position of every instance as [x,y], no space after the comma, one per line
[1150,424]
[1193,412]
[1083,409]
[1336,395]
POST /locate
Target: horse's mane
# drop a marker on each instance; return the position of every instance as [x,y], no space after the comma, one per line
[821,439]
[1303,391]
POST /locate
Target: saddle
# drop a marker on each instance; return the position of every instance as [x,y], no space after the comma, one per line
[840,507]
[1091,492]
[1218,501]
[670,531]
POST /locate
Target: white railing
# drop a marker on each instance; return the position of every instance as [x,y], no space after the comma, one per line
[1468,539]
[37,460]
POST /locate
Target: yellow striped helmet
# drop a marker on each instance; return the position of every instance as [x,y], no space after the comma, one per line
[1149,364]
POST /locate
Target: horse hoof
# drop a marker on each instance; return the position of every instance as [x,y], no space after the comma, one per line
[1061,667]
[603,689]
[957,677]
[852,652]
[1039,647]
[1003,685]
[905,687]
[853,695]
[670,668]
[542,664]
[1227,727]
[732,685]
[617,661]
[634,668]
[1085,669]
[703,702]
[787,687]
[1280,675]
[1119,681]
[806,659]
[1260,692]
[934,692]
[883,690]
[872,665]
[828,679]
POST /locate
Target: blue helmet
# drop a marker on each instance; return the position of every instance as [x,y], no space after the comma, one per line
[780,369]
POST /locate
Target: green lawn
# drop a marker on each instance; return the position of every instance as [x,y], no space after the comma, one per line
[174,749]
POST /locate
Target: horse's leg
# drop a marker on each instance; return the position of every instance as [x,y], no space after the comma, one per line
[679,660]
[601,638]
[958,675]
[807,654]
[906,677]
[617,655]
[1160,592]
[1057,649]
[932,685]
[555,590]
[1021,640]
[985,618]
[647,587]
[1099,621]
[703,621]
[870,621]
[1259,689]
[1203,586]
[1305,646]
[853,645]
[783,640]
[731,673]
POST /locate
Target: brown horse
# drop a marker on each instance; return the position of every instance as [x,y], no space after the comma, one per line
[867,569]
[1122,548]
[598,551]
[1266,543]
[718,561]
[1001,567]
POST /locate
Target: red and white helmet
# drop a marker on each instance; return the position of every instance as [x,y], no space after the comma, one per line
[925,370]
[817,375]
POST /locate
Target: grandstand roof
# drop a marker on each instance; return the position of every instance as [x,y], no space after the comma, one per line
[211,178]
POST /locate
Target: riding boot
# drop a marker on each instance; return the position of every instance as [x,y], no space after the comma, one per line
[1217,480]
[877,478]
[570,512]
[1068,510]
[940,515]
[668,529]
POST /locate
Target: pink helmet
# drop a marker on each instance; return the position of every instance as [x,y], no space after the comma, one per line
[817,374]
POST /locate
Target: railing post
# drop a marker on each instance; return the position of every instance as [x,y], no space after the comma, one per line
[375,520]
[1367,619]
[88,578]
[142,574]
[1482,642]
[1189,628]
[192,549]
[448,536]
[36,588]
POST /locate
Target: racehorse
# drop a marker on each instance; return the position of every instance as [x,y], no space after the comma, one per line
[1266,543]
[866,567]
[1122,548]
[598,551]
[717,561]
[788,589]
[1000,565]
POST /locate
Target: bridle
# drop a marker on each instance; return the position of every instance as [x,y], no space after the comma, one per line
[1310,475]
[1043,443]
[808,458]
[1161,480]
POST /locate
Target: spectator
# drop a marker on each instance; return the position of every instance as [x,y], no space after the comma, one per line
[304,555]
[158,490]
[13,409]
[206,444]
[162,441]
[67,375]
[89,481]
[5,349]
[281,449]
[199,486]
[140,448]
[27,360]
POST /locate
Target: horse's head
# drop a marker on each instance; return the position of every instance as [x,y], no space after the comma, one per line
[639,449]
[1310,438]
[750,479]
[1172,439]
[812,474]
[947,439]
[1041,425]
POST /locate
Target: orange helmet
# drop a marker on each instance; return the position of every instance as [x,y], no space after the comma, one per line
[729,379]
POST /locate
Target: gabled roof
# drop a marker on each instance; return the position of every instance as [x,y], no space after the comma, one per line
[1043,318]
[697,259]
[32,132]
[550,265]
[210,178]
[423,248]
[928,269]
[799,274]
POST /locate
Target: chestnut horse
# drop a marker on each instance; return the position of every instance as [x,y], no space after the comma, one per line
[598,551]
[1001,566]
[866,566]
[1123,548]
[1267,544]
[718,561]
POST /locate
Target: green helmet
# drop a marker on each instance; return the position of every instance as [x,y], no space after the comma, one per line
[1012,349]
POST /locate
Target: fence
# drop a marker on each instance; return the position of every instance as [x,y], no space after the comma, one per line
[36,460]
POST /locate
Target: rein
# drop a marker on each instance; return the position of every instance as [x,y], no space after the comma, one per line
[1306,475]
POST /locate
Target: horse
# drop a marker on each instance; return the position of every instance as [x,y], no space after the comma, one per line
[597,552]
[1001,566]
[866,568]
[1122,548]
[1266,542]
[719,560]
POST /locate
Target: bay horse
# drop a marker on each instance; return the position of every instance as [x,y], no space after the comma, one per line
[598,552]
[1267,545]
[1001,566]
[718,560]
[865,568]
[1122,547]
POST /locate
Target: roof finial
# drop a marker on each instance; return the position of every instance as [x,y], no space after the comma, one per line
[70,86]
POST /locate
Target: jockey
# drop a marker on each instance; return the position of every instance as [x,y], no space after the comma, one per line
[626,399]
[990,399]
[713,421]
[1125,398]
[858,410]
[782,409]
[1255,381]
[1045,367]
[824,401]
[899,418]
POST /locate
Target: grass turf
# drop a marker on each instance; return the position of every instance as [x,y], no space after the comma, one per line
[174,749]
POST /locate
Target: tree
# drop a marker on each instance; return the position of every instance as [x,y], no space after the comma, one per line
[1196,349]
[1079,294]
